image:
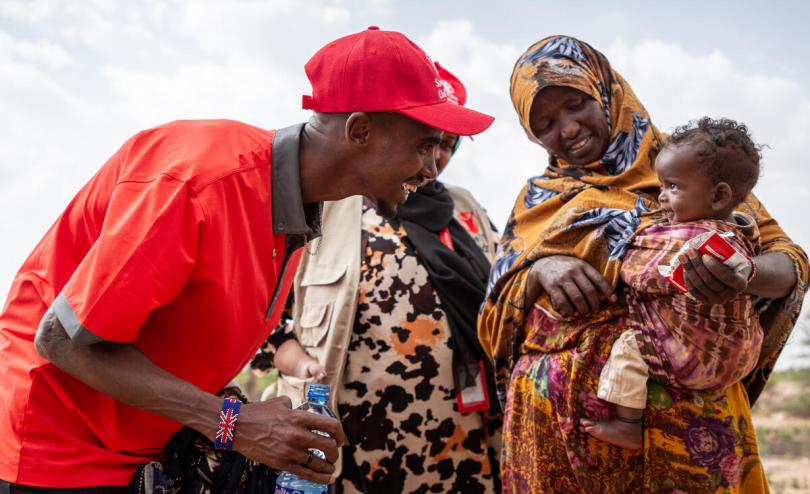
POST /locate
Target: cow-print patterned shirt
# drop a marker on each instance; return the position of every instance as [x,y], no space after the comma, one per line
[397,402]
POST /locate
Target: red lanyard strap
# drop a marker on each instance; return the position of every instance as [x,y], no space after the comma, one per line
[446,239]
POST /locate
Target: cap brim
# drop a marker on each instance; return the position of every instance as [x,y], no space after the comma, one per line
[450,118]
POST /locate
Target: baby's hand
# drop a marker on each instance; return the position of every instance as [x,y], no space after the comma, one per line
[310,369]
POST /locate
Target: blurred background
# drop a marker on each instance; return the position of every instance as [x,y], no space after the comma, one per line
[78,78]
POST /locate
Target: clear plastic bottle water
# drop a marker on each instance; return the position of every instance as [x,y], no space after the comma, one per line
[287,483]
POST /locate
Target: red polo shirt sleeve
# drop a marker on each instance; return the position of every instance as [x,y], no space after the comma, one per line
[141,260]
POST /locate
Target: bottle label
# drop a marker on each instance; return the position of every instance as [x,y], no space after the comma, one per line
[290,490]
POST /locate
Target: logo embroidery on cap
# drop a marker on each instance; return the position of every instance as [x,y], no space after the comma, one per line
[446,91]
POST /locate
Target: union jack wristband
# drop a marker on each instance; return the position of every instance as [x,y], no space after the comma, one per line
[227,423]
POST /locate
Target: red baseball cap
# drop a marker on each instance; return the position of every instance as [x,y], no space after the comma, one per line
[376,70]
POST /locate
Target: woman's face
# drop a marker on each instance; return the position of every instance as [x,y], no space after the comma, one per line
[570,125]
[444,151]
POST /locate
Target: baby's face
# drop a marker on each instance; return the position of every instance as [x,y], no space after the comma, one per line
[686,188]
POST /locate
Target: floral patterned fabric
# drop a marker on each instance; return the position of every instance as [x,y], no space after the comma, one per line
[549,367]
[692,443]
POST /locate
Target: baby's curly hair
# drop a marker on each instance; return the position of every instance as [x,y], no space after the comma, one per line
[725,149]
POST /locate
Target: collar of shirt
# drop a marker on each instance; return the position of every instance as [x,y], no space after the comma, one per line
[290,215]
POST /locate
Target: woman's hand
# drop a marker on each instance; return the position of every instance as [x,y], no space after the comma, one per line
[711,281]
[572,284]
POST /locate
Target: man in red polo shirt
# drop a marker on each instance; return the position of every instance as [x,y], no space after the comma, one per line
[167,270]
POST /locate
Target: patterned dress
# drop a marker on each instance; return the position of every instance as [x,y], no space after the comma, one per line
[397,402]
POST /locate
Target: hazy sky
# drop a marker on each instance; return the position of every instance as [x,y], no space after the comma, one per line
[79,77]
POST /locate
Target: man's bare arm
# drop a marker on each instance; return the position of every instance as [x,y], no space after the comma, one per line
[268,432]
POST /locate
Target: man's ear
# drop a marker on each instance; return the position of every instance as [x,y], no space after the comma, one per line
[722,196]
[358,128]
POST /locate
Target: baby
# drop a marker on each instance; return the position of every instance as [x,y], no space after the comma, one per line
[706,170]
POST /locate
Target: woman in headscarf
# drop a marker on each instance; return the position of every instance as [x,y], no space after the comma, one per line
[553,309]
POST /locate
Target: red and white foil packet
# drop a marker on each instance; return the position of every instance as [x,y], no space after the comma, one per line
[711,243]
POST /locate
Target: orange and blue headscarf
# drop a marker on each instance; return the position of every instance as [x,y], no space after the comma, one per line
[586,211]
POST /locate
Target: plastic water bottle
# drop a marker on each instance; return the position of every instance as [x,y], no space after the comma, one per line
[287,483]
